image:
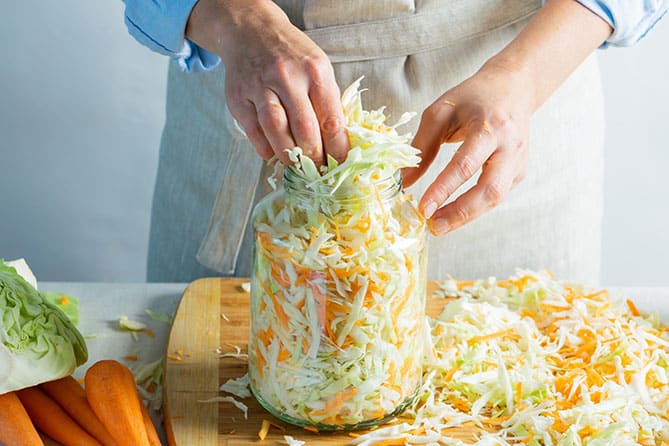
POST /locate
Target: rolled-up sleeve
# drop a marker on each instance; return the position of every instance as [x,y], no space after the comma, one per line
[631,20]
[160,25]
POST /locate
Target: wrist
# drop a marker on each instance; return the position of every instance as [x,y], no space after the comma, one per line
[516,73]
[215,24]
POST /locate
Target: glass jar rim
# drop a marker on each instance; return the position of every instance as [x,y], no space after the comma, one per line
[384,188]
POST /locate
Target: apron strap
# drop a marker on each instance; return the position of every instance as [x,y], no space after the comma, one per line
[220,247]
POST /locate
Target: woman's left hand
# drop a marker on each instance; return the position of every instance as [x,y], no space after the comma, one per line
[490,114]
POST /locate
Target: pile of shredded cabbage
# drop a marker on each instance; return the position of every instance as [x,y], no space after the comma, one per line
[535,361]
[338,289]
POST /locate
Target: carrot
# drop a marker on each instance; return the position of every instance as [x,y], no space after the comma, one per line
[336,401]
[633,308]
[392,442]
[16,429]
[151,433]
[488,337]
[48,441]
[71,397]
[264,429]
[111,392]
[52,420]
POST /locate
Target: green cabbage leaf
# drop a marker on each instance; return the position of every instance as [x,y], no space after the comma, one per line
[38,342]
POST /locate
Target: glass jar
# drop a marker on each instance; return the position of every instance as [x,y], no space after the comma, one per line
[337,303]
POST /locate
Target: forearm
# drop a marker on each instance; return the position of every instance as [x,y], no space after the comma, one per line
[552,45]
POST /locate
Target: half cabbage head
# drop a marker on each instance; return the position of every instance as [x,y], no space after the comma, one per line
[38,342]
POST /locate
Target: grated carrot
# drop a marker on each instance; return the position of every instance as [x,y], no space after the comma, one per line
[488,337]
[264,429]
[391,442]
[633,308]
[519,394]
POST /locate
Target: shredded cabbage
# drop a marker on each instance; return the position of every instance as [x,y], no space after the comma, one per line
[338,290]
[149,378]
[536,361]
[237,386]
[228,399]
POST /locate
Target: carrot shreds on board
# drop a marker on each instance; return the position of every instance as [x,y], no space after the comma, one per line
[264,429]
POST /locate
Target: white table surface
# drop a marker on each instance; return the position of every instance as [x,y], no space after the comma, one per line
[100,306]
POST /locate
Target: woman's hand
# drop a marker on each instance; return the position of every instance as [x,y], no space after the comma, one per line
[490,112]
[279,84]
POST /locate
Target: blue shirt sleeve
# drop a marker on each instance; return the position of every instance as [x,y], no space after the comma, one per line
[631,20]
[160,25]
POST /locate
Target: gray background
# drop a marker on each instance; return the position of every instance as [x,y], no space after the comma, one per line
[81,110]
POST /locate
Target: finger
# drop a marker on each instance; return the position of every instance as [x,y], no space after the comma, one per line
[478,146]
[498,177]
[245,114]
[274,123]
[327,105]
[304,124]
[434,124]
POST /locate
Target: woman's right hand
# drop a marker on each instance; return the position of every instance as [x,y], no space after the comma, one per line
[279,85]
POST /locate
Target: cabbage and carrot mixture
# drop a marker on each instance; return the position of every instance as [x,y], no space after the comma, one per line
[534,361]
[338,289]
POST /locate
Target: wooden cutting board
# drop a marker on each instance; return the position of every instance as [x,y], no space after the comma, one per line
[214,313]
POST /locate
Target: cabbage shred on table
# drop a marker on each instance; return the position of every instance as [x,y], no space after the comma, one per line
[338,289]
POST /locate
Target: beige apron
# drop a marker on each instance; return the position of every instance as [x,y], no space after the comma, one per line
[410,52]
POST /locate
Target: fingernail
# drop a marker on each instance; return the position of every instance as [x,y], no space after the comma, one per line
[430,209]
[439,226]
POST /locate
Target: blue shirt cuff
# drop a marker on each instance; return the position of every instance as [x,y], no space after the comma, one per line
[630,20]
[160,25]
[194,58]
